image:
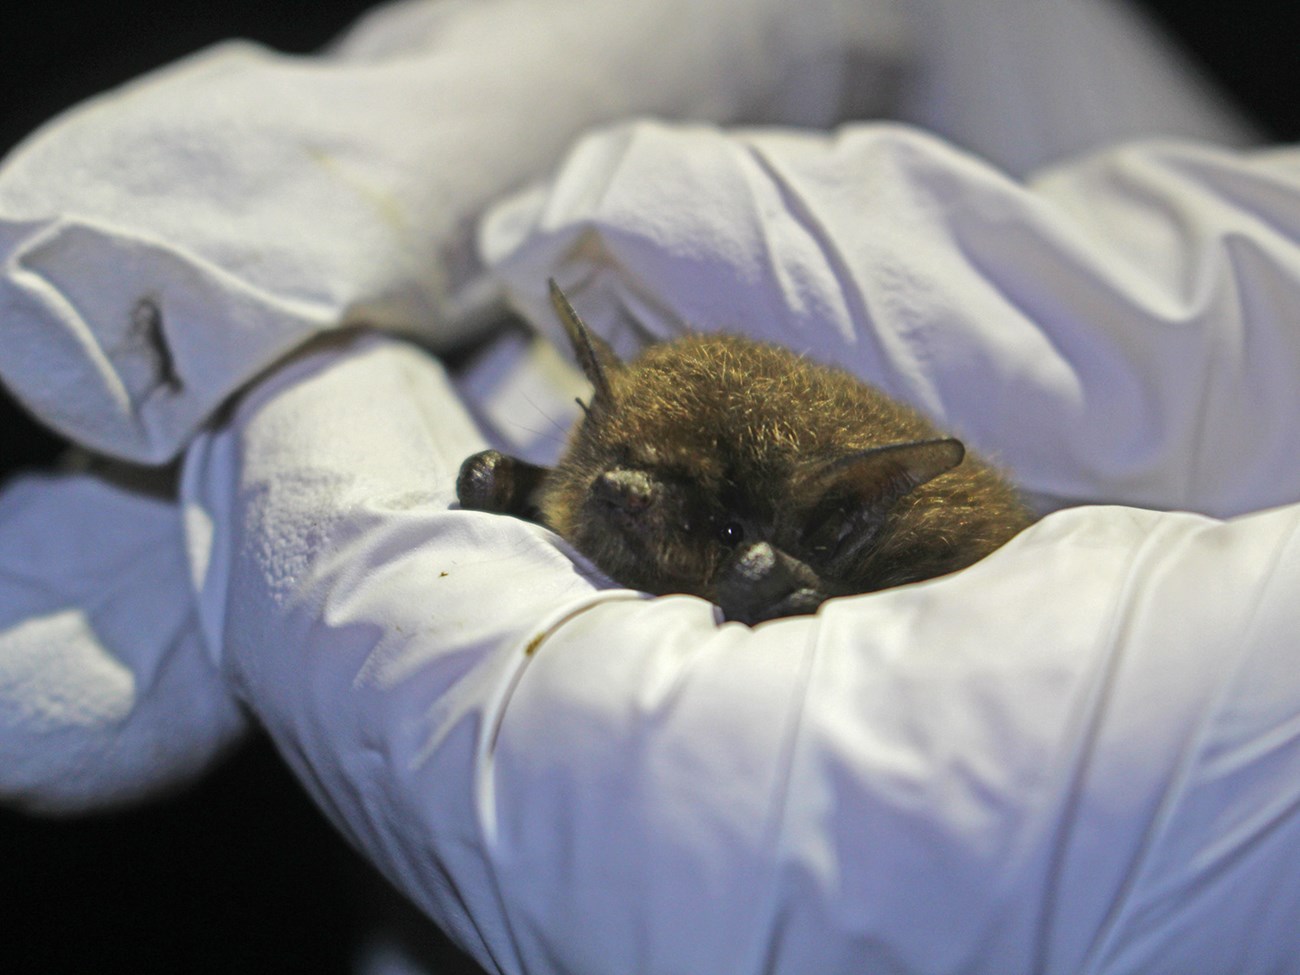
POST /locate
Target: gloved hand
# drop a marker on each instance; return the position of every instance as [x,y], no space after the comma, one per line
[1066,757]
[838,788]
[166,243]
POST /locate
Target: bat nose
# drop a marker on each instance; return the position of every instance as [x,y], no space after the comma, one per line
[630,490]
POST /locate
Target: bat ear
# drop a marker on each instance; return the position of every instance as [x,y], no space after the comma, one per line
[595,356]
[855,493]
[884,475]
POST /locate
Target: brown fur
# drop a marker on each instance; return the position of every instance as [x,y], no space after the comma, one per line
[708,438]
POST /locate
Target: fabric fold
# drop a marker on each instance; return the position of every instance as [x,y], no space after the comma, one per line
[107,693]
[240,200]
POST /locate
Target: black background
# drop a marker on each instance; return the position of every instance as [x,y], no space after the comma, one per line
[240,874]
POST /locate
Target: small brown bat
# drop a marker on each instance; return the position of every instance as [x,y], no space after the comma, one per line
[740,472]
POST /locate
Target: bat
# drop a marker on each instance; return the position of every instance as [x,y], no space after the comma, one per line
[740,472]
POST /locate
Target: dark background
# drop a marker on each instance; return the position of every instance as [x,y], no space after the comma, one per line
[240,874]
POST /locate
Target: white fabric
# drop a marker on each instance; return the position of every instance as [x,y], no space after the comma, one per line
[163,244]
[1082,755]
[1078,756]
[974,774]
[1107,329]
[106,692]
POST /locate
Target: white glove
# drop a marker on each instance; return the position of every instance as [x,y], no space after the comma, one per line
[163,244]
[106,692]
[837,788]
[1118,329]
[166,242]
[1073,756]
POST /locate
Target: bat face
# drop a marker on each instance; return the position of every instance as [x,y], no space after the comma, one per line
[656,500]
[690,500]
[744,474]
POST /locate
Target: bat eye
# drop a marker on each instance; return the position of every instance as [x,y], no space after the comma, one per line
[732,533]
